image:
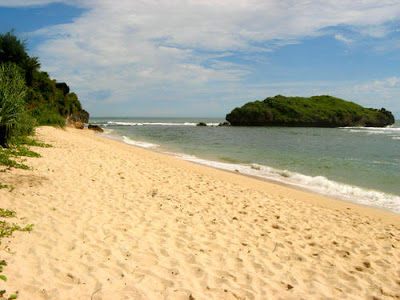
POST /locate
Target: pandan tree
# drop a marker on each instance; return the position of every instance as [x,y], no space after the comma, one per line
[12,103]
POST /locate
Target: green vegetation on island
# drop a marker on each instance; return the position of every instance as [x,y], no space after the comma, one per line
[316,111]
[28,96]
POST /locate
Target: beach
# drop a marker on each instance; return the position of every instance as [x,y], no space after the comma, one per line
[113,221]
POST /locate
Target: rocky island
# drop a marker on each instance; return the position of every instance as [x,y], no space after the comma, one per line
[315,111]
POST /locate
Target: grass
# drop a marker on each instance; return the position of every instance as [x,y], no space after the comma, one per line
[7,229]
[20,149]
[24,140]
[5,213]
[5,160]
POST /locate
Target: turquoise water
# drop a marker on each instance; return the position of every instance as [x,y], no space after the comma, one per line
[355,164]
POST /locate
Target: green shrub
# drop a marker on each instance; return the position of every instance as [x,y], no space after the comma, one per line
[46,115]
[24,127]
[48,101]
[12,103]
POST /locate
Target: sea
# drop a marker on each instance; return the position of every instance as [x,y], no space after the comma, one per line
[354,164]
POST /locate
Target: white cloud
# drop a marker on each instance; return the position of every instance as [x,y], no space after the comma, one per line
[20,3]
[27,3]
[343,39]
[134,49]
[380,85]
[376,31]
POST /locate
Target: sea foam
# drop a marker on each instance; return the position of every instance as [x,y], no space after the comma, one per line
[317,184]
[139,144]
[118,123]
[373,130]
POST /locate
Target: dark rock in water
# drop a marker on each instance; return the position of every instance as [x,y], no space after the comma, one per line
[224,124]
[316,111]
[201,124]
[95,128]
[79,119]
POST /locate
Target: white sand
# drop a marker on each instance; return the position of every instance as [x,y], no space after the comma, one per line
[117,222]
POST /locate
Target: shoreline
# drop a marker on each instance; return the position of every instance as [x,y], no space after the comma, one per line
[120,139]
[114,221]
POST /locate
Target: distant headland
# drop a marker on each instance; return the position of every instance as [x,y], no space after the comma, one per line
[315,111]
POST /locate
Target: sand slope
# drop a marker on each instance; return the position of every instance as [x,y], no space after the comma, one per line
[117,222]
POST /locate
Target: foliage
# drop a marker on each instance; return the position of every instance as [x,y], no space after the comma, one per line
[6,160]
[25,140]
[12,104]
[22,151]
[7,229]
[46,115]
[48,102]
[5,213]
[319,111]
[13,50]
[25,126]
[8,155]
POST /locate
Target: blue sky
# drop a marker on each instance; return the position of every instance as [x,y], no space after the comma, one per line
[203,58]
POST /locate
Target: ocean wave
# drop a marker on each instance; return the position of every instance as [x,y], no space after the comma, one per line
[318,184]
[98,124]
[139,143]
[156,123]
[373,130]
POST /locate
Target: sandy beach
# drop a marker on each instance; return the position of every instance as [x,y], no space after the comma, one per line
[114,221]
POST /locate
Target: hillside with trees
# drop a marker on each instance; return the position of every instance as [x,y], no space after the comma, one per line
[28,96]
[316,111]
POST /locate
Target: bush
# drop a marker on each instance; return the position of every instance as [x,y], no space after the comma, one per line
[45,115]
[48,101]
[25,126]
[12,103]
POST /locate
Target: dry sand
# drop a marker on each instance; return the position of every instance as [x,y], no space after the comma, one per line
[117,222]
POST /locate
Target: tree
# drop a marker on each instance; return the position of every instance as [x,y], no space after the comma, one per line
[13,50]
[63,87]
[46,100]
[12,102]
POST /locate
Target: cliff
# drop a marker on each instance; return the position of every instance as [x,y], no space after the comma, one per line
[316,111]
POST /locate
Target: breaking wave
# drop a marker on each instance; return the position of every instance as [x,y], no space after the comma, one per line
[317,184]
[117,123]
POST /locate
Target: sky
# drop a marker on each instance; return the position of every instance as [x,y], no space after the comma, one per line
[202,58]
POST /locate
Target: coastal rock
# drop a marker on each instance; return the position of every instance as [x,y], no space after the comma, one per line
[78,120]
[201,124]
[95,128]
[316,111]
[224,124]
